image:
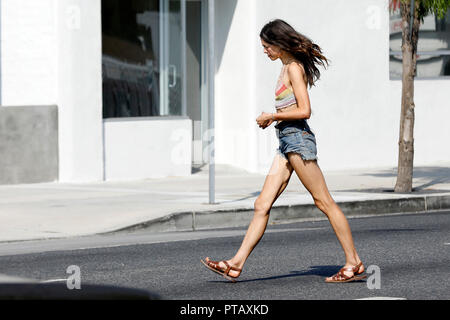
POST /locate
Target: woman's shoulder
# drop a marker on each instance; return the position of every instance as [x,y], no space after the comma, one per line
[295,69]
[296,66]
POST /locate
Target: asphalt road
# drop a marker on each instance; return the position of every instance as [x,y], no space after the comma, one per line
[411,253]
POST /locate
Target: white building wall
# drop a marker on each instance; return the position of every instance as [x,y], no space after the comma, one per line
[355,107]
[432,113]
[147,147]
[28,52]
[79,89]
[235,83]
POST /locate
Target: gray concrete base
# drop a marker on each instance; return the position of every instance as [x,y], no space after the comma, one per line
[28,144]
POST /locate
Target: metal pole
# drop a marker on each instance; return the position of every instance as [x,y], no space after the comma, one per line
[183,59]
[163,54]
[211,105]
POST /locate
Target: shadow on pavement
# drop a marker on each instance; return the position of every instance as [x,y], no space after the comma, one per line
[322,271]
[433,175]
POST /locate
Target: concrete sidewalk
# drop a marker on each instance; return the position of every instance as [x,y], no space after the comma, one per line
[55,210]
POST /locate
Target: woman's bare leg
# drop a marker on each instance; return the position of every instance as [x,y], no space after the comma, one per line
[275,183]
[312,178]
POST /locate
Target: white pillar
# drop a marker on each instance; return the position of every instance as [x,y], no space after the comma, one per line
[79,90]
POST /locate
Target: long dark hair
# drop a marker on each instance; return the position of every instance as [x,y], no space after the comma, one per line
[282,35]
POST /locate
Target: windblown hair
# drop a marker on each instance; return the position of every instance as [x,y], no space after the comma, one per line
[282,35]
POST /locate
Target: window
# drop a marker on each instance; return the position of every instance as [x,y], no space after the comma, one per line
[433,49]
[144,58]
[130,31]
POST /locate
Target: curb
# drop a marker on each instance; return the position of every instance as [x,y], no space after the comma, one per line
[241,217]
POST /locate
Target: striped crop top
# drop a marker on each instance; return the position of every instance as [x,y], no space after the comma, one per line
[284,97]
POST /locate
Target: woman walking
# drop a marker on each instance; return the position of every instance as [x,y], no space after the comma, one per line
[297,151]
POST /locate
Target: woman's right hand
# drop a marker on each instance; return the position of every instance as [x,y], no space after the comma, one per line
[266,124]
[264,120]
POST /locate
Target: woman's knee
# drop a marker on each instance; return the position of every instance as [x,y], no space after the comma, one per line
[262,207]
[325,204]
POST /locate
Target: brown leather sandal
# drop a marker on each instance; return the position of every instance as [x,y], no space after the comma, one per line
[215,267]
[342,277]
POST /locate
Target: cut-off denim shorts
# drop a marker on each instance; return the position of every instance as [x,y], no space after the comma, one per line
[296,136]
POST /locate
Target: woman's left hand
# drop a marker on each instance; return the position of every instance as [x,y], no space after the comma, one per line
[264,120]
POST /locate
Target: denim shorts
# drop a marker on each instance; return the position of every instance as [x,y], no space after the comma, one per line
[297,137]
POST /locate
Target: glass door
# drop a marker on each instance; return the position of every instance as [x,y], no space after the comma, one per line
[173,57]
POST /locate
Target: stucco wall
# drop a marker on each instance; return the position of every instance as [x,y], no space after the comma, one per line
[147,147]
[356,108]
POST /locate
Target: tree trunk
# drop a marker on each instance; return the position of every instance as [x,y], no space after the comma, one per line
[406,137]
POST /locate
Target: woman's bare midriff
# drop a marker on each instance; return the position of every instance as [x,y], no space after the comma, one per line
[286,109]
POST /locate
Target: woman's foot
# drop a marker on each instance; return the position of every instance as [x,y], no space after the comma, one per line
[348,273]
[225,268]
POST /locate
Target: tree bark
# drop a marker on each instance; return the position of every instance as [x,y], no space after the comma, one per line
[406,137]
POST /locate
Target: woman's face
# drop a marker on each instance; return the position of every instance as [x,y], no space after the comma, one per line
[272,51]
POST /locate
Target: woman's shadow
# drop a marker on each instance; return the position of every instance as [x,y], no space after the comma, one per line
[322,271]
